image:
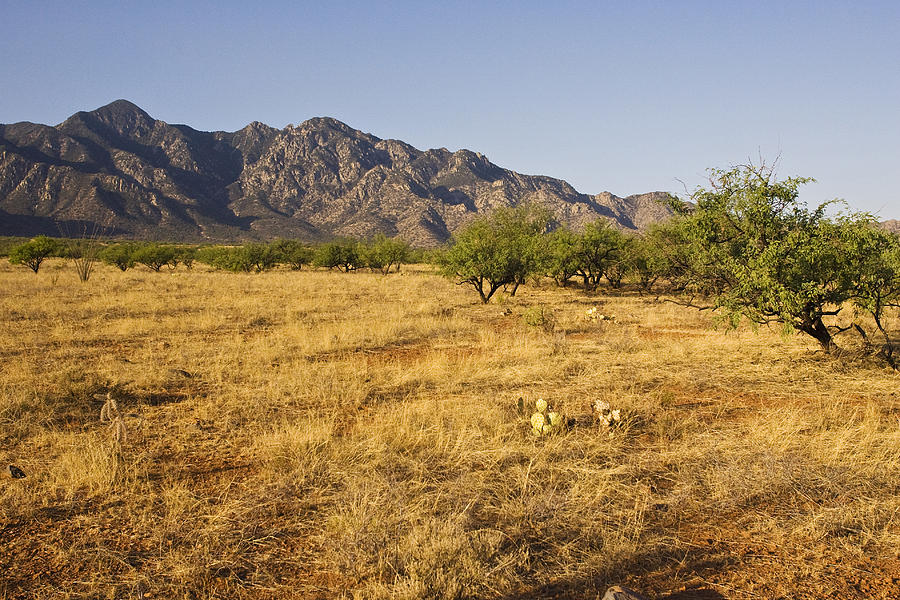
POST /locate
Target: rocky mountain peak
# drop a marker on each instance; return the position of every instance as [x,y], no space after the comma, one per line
[125,118]
[144,178]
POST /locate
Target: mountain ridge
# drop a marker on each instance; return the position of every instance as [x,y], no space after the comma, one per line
[140,177]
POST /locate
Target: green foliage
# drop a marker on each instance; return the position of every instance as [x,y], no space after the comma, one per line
[385,253]
[340,254]
[210,255]
[874,274]
[7,243]
[33,252]
[240,259]
[598,247]
[155,256]
[649,258]
[561,257]
[120,256]
[187,255]
[503,249]
[522,229]
[763,256]
[623,263]
[258,257]
[477,258]
[293,253]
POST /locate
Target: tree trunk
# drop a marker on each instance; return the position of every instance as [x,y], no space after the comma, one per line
[816,328]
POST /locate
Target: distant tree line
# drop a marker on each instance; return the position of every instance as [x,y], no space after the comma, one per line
[382,254]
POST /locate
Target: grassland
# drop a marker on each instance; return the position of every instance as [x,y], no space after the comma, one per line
[324,435]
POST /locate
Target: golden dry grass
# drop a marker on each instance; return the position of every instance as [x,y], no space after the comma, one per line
[324,435]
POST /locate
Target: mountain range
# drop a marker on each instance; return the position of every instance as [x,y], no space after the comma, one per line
[120,169]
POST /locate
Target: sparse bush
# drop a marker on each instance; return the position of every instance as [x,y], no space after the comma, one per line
[84,252]
[541,317]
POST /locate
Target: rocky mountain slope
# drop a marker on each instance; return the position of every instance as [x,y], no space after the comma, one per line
[891,225]
[139,177]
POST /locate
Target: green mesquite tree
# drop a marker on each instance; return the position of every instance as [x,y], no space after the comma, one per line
[496,251]
[119,255]
[599,246]
[763,256]
[33,252]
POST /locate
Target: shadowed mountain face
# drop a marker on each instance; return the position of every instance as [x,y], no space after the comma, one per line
[135,176]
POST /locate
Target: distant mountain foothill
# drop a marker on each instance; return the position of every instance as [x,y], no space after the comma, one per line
[138,177]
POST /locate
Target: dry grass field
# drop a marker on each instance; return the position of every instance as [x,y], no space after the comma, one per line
[325,435]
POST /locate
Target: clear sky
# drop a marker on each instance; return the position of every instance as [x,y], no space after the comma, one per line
[626,97]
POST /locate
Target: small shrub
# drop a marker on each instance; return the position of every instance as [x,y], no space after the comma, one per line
[540,316]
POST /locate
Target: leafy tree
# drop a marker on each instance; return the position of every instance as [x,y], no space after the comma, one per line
[648,258]
[561,259]
[623,264]
[616,272]
[119,255]
[293,253]
[154,256]
[763,256]
[873,275]
[496,251]
[522,230]
[477,258]
[212,256]
[340,254]
[385,253]
[187,255]
[239,259]
[33,252]
[599,246]
[259,257]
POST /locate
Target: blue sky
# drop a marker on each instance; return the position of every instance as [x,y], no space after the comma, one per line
[626,97]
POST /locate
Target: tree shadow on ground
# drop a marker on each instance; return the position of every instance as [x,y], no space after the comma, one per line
[643,573]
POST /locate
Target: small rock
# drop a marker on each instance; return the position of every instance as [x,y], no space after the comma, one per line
[617,592]
[15,472]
